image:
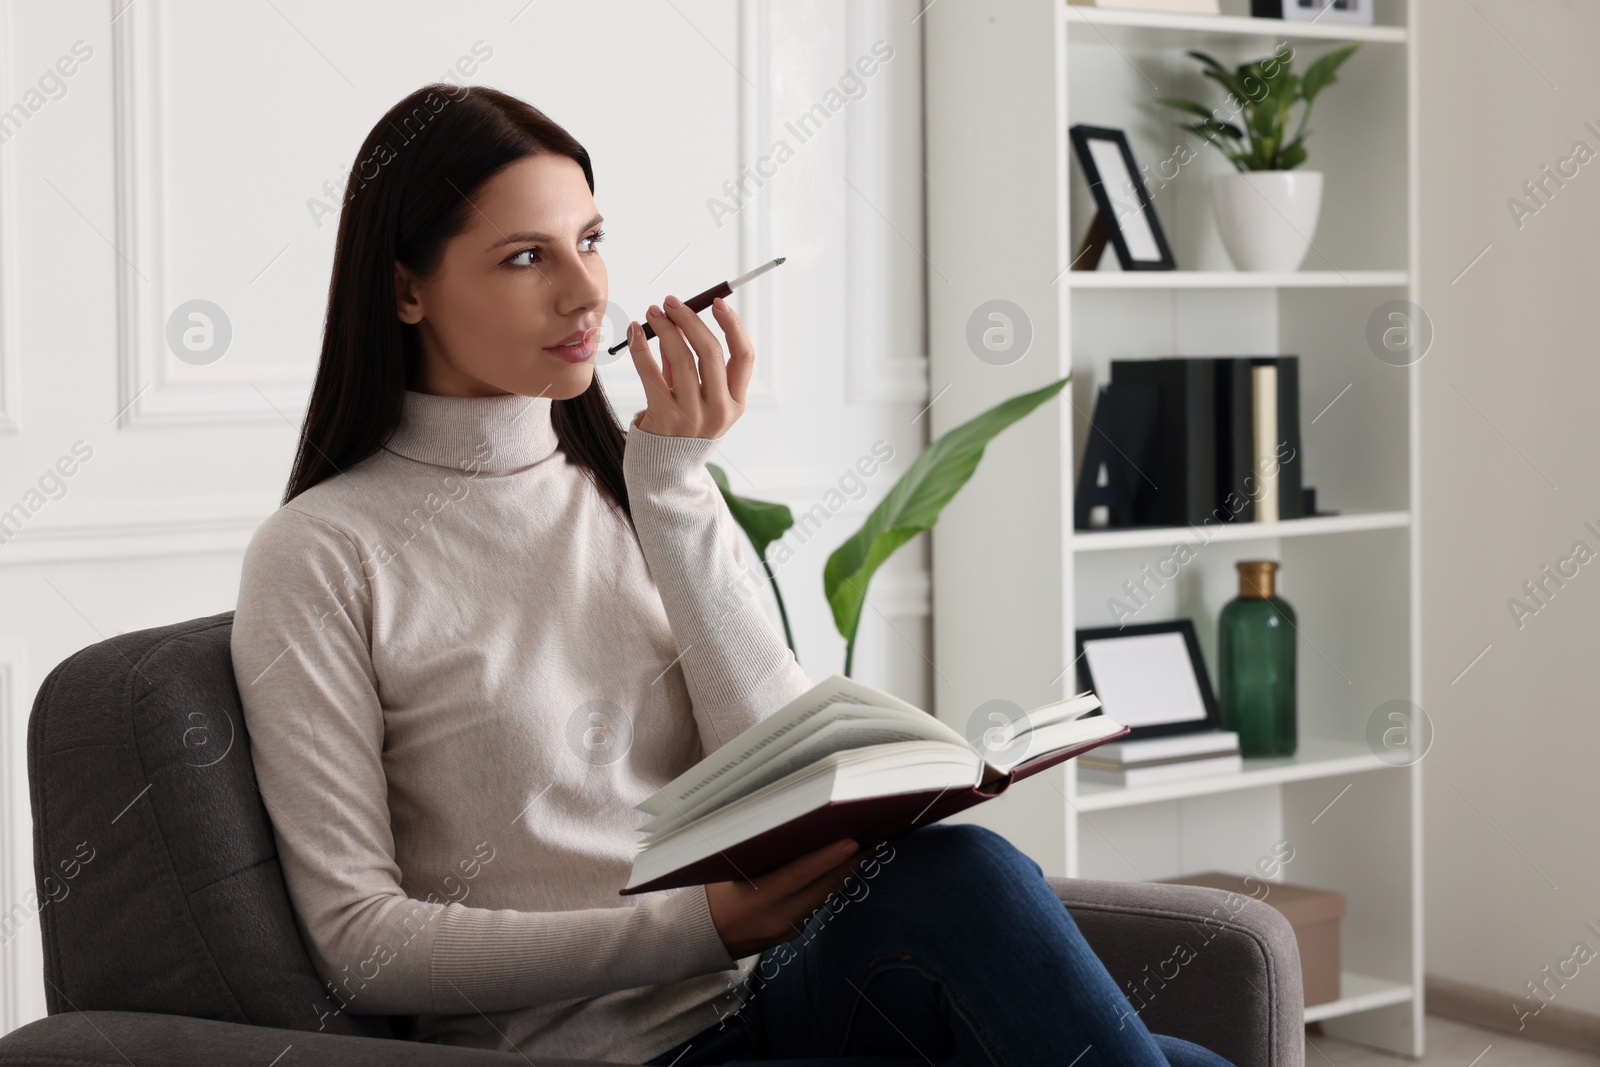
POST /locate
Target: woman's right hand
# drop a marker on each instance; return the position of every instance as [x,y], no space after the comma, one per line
[750,917]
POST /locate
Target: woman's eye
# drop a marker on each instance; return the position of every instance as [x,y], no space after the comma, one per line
[594,239]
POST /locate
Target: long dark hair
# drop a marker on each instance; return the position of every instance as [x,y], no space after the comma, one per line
[407,196]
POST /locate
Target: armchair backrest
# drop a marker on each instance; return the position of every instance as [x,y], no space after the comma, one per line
[157,874]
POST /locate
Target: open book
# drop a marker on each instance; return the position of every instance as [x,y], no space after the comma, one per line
[841,760]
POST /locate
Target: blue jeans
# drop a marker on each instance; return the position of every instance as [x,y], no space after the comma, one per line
[947,948]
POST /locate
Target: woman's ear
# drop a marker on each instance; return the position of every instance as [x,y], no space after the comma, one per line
[406,298]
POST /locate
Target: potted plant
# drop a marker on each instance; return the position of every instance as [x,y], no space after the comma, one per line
[1266,210]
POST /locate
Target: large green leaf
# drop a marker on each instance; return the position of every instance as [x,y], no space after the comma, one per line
[762,521]
[914,503]
[1191,106]
[1320,74]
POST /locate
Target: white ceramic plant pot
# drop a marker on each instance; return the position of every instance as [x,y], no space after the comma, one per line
[1267,217]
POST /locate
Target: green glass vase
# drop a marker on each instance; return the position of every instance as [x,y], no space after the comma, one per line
[1255,653]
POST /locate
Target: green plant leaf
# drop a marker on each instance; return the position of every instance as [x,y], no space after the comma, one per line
[1191,106]
[913,505]
[1220,73]
[1221,129]
[1320,74]
[1230,83]
[762,521]
[1264,122]
[1253,83]
[1292,156]
[1285,90]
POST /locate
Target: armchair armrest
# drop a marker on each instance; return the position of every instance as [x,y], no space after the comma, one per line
[118,1038]
[1216,968]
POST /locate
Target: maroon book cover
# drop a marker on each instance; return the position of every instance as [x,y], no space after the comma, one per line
[867,820]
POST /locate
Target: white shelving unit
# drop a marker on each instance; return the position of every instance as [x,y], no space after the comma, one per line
[1013,580]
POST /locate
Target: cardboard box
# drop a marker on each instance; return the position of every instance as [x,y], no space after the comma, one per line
[1314,914]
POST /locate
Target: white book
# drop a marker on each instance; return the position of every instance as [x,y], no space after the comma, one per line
[841,760]
[1171,747]
[1090,771]
[1264,379]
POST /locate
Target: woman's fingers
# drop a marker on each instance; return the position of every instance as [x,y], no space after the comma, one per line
[741,353]
[695,389]
[802,873]
[713,375]
[657,389]
[815,894]
[685,380]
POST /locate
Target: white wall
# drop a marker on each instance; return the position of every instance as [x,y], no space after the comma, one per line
[1509,479]
[117,204]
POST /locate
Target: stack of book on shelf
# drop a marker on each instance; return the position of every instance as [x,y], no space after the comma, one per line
[842,760]
[1196,440]
[1150,760]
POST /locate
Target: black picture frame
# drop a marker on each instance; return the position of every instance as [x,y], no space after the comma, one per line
[1185,627]
[1082,136]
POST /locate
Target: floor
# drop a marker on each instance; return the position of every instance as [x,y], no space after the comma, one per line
[1453,1044]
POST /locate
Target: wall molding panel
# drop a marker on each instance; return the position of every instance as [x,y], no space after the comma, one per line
[141,531]
[16,835]
[10,372]
[882,363]
[152,390]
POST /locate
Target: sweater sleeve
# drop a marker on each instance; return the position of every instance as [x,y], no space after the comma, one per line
[735,662]
[301,648]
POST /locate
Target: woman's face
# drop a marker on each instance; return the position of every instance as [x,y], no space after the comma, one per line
[524,276]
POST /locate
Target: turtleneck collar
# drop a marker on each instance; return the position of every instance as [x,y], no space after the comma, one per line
[496,434]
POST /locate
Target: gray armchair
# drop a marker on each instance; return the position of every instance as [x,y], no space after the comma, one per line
[169,937]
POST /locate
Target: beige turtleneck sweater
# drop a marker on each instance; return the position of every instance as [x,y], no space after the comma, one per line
[460,669]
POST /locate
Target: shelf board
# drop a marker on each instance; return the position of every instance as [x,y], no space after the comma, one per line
[1162,536]
[1361,993]
[1316,757]
[1233,279]
[1160,29]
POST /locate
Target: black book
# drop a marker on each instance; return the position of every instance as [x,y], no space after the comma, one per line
[1116,453]
[1180,483]
[1238,479]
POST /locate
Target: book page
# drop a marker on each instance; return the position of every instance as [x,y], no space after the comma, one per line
[1054,737]
[752,745]
[1000,742]
[1074,707]
[920,724]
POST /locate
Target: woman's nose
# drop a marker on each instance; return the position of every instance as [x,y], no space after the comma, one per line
[583,285]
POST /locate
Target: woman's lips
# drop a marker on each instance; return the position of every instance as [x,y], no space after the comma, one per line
[579,352]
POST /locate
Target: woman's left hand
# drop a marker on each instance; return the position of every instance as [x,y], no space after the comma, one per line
[685,401]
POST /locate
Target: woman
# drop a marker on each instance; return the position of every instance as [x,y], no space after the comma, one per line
[486,623]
